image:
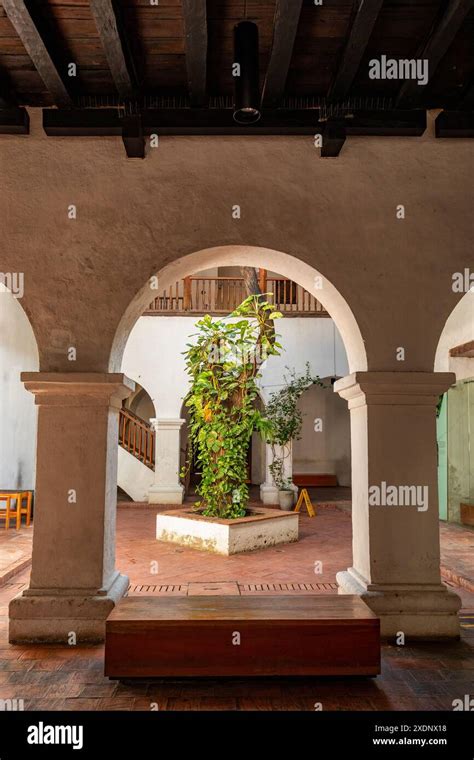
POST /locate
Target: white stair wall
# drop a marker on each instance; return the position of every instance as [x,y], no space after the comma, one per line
[133,476]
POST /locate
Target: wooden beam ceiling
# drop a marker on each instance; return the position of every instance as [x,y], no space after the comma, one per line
[435,49]
[287,16]
[21,19]
[112,35]
[364,21]
[195,33]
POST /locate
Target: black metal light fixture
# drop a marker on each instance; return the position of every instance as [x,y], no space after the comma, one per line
[246,76]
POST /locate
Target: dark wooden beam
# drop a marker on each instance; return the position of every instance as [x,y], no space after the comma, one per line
[364,21]
[287,16]
[132,136]
[455,124]
[113,38]
[195,32]
[435,49]
[465,350]
[21,19]
[200,121]
[334,137]
[14,121]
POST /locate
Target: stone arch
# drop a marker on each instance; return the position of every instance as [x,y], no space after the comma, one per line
[243,255]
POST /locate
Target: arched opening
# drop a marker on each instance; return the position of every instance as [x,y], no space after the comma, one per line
[18,426]
[455,420]
[18,353]
[149,346]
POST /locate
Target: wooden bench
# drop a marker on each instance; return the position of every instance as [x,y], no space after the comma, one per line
[279,635]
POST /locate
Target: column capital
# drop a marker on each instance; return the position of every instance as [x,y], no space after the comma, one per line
[166,423]
[78,388]
[394,388]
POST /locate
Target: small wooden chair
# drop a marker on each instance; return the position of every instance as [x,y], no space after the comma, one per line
[24,504]
[23,507]
[6,513]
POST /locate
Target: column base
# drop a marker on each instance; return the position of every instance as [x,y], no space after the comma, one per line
[269,494]
[420,611]
[166,494]
[51,615]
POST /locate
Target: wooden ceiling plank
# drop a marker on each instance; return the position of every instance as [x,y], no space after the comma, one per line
[36,48]
[112,35]
[287,16]
[195,33]
[359,35]
[436,48]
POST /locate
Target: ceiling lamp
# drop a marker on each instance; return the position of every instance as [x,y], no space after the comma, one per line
[246,73]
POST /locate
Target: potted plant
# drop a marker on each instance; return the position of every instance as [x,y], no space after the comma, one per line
[285,421]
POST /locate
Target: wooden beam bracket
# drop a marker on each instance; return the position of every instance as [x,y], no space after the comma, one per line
[132,136]
[14,121]
[334,137]
[455,124]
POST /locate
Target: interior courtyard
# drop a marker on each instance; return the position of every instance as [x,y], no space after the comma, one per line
[138,216]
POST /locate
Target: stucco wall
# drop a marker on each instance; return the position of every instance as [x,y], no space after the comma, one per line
[18,352]
[136,217]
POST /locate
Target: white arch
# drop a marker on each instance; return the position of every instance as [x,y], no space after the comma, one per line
[243,255]
[459,329]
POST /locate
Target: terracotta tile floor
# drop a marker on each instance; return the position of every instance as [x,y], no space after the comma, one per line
[425,676]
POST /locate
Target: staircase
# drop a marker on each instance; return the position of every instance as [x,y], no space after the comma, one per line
[136,455]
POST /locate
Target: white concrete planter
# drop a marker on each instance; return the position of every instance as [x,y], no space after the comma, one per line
[262,528]
[286,500]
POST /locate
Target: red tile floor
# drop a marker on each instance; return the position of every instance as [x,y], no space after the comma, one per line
[423,676]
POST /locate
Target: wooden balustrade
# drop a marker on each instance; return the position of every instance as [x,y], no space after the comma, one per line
[221,295]
[137,437]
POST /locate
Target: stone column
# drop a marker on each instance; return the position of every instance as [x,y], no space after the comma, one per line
[74,584]
[268,490]
[167,488]
[395,531]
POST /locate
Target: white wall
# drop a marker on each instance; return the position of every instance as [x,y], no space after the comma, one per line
[153,356]
[327,451]
[459,329]
[18,353]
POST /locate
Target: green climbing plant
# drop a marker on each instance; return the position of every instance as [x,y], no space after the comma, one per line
[223,363]
[285,420]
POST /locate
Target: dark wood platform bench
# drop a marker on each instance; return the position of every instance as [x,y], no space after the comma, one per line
[279,635]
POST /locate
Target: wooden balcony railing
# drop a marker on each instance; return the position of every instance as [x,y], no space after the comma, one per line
[137,437]
[221,295]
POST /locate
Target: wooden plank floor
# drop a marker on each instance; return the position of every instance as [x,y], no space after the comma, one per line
[242,635]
